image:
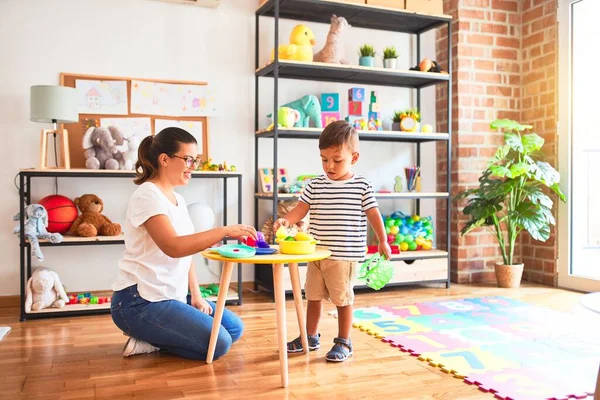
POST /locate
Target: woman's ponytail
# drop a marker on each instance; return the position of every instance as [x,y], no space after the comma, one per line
[145,166]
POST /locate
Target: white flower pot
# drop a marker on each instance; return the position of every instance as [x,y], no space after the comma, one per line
[390,63]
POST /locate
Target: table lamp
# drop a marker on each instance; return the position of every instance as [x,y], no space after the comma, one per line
[58,105]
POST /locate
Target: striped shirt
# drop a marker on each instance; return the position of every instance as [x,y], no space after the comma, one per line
[337,214]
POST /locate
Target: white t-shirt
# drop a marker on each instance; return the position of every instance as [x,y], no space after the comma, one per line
[158,276]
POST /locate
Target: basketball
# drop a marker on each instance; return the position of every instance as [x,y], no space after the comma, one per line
[61,212]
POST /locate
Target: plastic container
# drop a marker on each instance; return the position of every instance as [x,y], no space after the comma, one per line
[297,247]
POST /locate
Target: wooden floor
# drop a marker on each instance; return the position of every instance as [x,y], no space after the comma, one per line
[77,358]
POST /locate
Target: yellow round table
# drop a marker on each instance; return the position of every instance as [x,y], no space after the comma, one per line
[278,261]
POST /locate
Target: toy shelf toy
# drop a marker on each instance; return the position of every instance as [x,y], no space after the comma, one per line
[86,307]
[432,266]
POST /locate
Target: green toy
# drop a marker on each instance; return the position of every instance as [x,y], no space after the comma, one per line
[398,184]
[309,109]
[376,271]
[210,290]
[286,118]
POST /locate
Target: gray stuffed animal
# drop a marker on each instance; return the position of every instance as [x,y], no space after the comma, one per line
[102,148]
[35,228]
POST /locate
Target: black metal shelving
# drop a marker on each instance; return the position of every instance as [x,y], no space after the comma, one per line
[25,177]
[361,16]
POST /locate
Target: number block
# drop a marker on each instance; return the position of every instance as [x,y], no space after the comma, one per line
[356,94]
[330,102]
[329,117]
[354,108]
[374,107]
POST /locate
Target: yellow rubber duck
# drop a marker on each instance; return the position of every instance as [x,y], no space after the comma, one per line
[302,40]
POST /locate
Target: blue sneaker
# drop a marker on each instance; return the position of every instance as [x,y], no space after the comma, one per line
[295,346]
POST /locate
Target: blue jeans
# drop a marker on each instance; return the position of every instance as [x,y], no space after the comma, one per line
[172,325]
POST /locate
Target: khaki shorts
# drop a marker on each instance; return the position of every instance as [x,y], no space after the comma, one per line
[331,280]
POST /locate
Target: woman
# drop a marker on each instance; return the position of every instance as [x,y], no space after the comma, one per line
[151,302]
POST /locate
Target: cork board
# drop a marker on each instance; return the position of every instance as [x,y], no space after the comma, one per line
[77,130]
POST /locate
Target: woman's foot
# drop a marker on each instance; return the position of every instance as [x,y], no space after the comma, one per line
[295,346]
[135,346]
[341,350]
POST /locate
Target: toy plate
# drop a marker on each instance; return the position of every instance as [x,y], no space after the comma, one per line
[235,251]
[270,250]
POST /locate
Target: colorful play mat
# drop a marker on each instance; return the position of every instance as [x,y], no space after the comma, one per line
[507,347]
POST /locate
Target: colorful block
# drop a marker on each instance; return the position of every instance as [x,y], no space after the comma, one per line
[358,122]
[354,108]
[373,96]
[329,117]
[374,107]
[356,94]
[330,102]
[374,115]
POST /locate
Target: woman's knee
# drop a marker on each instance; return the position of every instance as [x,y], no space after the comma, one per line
[224,342]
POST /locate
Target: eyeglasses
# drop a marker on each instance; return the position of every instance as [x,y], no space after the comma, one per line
[190,161]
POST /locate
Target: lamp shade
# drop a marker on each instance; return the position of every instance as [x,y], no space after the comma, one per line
[53,103]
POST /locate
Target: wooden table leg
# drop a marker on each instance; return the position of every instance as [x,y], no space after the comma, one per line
[223,290]
[297,290]
[279,292]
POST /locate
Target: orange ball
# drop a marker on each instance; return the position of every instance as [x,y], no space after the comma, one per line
[61,213]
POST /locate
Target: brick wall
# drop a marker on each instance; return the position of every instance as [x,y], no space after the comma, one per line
[539,53]
[496,44]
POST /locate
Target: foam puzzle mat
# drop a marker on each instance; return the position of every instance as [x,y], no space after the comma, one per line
[512,349]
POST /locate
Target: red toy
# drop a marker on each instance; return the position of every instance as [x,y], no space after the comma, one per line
[61,212]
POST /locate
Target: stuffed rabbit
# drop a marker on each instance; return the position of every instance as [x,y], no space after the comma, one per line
[44,290]
[35,227]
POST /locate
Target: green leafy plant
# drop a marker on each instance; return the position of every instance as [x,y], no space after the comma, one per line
[366,51]
[398,115]
[511,190]
[389,52]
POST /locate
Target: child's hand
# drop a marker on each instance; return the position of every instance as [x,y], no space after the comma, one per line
[385,250]
[201,304]
[280,222]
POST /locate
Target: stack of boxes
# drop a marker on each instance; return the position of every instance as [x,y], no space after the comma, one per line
[356,97]
[330,108]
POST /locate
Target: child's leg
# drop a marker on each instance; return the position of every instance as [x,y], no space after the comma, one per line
[339,278]
[313,316]
[315,291]
[344,321]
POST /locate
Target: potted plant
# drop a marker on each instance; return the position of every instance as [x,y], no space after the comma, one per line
[367,56]
[390,57]
[510,197]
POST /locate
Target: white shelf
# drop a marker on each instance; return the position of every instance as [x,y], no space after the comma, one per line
[74,172]
[68,239]
[231,295]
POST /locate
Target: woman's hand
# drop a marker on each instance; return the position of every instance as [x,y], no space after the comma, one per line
[201,304]
[241,231]
[279,223]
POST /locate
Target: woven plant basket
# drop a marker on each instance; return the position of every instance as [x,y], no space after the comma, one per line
[508,276]
[283,207]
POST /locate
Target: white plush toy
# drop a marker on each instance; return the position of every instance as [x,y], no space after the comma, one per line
[44,290]
[130,153]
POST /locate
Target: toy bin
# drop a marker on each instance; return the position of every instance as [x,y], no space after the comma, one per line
[297,247]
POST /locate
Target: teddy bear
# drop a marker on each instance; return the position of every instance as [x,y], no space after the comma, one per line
[35,228]
[101,147]
[91,222]
[44,289]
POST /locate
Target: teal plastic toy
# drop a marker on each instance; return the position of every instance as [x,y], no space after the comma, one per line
[376,271]
[235,251]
